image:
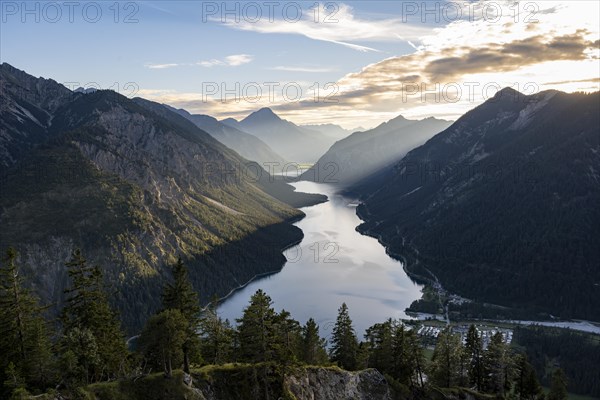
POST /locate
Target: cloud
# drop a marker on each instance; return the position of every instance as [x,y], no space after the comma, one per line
[556,53]
[161,66]
[231,61]
[303,69]
[510,56]
[238,59]
[585,80]
[336,25]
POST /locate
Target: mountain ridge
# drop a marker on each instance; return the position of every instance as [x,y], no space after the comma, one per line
[502,199]
[292,142]
[357,156]
[135,185]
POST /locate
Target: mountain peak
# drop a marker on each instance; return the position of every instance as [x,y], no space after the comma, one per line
[262,115]
[508,91]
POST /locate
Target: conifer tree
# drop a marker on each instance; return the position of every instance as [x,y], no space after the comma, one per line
[87,309]
[497,366]
[344,344]
[217,336]
[558,386]
[180,295]
[24,341]
[474,350]
[379,338]
[413,368]
[162,339]
[288,337]
[446,361]
[527,386]
[313,346]
[256,330]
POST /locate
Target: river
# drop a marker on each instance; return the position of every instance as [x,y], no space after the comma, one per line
[333,264]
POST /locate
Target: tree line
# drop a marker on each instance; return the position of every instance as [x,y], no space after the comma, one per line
[87,345]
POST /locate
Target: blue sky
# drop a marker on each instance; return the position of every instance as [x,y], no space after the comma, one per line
[175,49]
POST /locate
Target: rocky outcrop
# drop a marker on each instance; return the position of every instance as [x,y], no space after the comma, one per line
[334,384]
[251,382]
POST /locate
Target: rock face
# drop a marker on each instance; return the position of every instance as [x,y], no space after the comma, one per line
[251,382]
[329,384]
[26,106]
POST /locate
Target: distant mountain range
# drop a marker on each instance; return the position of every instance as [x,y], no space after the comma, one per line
[502,206]
[294,143]
[134,185]
[332,130]
[245,144]
[362,153]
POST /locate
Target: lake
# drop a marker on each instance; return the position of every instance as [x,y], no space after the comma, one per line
[333,264]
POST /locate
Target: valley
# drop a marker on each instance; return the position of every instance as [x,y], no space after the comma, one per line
[300,201]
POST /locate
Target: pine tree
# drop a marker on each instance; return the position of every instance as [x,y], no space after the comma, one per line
[527,385]
[217,336]
[313,346]
[381,347]
[161,341]
[288,337]
[88,310]
[446,361]
[412,368]
[24,339]
[344,344]
[256,331]
[83,356]
[558,387]
[474,350]
[497,366]
[180,295]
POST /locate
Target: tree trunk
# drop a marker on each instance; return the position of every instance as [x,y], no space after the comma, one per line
[186,360]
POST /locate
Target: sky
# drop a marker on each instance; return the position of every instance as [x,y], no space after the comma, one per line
[351,63]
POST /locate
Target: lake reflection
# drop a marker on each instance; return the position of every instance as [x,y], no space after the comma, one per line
[333,264]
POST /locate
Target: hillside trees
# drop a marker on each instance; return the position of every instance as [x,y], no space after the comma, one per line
[89,321]
[24,338]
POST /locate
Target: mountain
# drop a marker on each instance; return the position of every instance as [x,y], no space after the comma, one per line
[362,153]
[245,144]
[27,105]
[332,130]
[294,143]
[134,185]
[502,207]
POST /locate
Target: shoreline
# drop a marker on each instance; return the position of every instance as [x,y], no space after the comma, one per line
[291,221]
[587,326]
[220,300]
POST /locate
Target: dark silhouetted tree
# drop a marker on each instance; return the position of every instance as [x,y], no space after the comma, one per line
[344,344]
[180,295]
[161,341]
[313,346]
[87,309]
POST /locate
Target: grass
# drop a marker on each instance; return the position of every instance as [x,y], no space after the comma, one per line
[151,387]
[573,396]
